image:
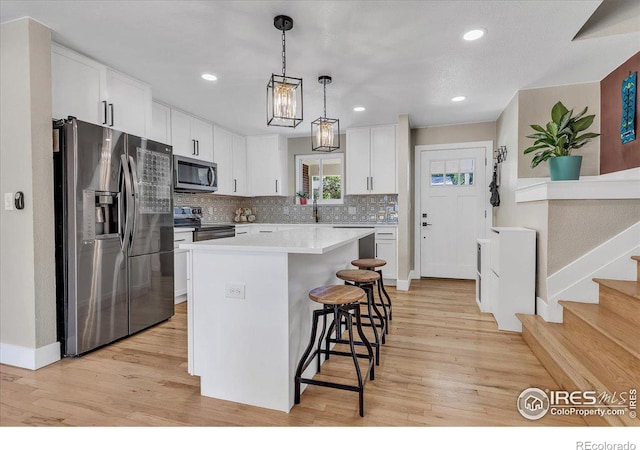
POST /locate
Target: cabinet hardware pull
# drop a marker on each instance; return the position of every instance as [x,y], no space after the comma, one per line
[111,108]
[104,104]
[372,183]
[276,186]
[376,249]
[384,233]
[179,240]
[197,147]
[235,185]
[194,147]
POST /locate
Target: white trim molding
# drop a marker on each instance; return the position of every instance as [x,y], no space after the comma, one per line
[404,285]
[29,358]
[574,282]
[579,190]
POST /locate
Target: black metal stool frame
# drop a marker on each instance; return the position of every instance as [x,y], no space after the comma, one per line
[308,356]
[368,288]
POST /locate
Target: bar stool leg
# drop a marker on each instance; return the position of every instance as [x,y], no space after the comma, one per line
[381,285]
[384,307]
[383,323]
[305,355]
[366,342]
[369,290]
[320,339]
[355,363]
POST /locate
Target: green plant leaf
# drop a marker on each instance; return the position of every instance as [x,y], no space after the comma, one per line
[564,121]
[557,112]
[576,117]
[539,136]
[562,142]
[538,128]
[534,148]
[552,128]
[586,136]
[582,124]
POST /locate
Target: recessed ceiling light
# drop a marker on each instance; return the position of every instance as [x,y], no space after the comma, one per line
[359,108]
[473,34]
[209,77]
[458,98]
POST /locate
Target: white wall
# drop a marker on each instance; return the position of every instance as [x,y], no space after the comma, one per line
[405,220]
[27,276]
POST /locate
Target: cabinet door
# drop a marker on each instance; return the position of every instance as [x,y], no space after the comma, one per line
[180,275]
[263,158]
[386,249]
[383,160]
[129,104]
[358,165]
[239,165]
[202,132]
[222,151]
[181,134]
[160,123]
[77,86]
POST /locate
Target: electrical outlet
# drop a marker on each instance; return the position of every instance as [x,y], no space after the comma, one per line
[235,291]
[285,210]
[8,201]
[352,210]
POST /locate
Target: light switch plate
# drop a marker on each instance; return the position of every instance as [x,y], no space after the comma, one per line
[285,210]
[8,201]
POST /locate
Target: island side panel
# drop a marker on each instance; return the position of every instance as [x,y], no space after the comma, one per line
[305,273]
[241,345]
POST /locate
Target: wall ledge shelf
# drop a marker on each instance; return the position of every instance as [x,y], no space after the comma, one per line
[595,188]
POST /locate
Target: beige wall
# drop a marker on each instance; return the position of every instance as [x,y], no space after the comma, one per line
[27,281]
[535,108]
[452,134]
[405,220]
[578,226]
[302,146]
[505,215]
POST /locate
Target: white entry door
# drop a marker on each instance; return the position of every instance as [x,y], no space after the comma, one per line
[452,211]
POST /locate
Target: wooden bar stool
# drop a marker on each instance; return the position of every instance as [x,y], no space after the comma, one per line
[374,264]
[366,279]
[344,303]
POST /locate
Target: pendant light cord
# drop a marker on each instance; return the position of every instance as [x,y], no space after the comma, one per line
[324,84]
[284,56]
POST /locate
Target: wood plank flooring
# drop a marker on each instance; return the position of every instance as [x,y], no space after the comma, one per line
[444,364]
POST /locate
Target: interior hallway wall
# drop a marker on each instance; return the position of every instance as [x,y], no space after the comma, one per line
[27,261]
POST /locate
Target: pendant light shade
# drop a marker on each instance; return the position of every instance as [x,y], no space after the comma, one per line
[325,132]
[284,93]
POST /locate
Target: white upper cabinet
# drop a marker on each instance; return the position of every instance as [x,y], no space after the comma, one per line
[267,163]
[94,93]
[129,104]
[160,123]
[78,85]
[191,137]
[239,165]
[371,160]
[223,157]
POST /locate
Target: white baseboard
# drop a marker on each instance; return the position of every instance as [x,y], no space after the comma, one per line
[404,285]
[612,259]
[29,358]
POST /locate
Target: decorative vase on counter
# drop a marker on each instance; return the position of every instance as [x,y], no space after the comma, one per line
[303,201]
[564,168]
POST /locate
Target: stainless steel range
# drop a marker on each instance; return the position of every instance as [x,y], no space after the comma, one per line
[191,217]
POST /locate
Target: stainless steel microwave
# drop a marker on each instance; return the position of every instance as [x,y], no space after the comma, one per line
[194,175]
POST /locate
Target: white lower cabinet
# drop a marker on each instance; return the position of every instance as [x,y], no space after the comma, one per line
[180,264]
[387,249]
[513,275]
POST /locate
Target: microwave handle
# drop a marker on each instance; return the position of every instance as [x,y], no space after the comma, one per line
[211,176]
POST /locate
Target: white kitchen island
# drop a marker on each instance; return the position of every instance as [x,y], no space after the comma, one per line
[247,349]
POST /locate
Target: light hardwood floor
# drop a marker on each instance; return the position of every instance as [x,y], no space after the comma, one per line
[444,364]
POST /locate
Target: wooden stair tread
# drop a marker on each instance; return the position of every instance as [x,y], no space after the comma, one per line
[630,288]
[617,328]
[636,258]
[575,375]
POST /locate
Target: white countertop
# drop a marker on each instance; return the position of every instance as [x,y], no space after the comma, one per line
[306,240]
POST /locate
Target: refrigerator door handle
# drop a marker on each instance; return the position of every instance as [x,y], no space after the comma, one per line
[126,175]
[134,194]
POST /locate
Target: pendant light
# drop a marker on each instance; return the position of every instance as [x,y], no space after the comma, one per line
[325,132]
[284,93]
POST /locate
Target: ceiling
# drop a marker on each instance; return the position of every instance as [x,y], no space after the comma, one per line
[393,57]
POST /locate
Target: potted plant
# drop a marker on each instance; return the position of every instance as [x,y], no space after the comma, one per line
[303,197]
[556,141]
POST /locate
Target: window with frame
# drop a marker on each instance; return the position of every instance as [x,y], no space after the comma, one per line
[452,172]
[321,177]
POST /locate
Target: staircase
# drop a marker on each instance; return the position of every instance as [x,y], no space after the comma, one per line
[597,348]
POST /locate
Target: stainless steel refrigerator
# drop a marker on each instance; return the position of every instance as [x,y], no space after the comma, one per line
[114,234]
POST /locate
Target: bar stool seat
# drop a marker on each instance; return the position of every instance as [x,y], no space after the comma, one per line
[368,263]
[344,303]
[373,264]
[366,279]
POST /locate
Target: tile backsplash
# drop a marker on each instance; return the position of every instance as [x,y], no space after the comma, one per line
[381,209]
